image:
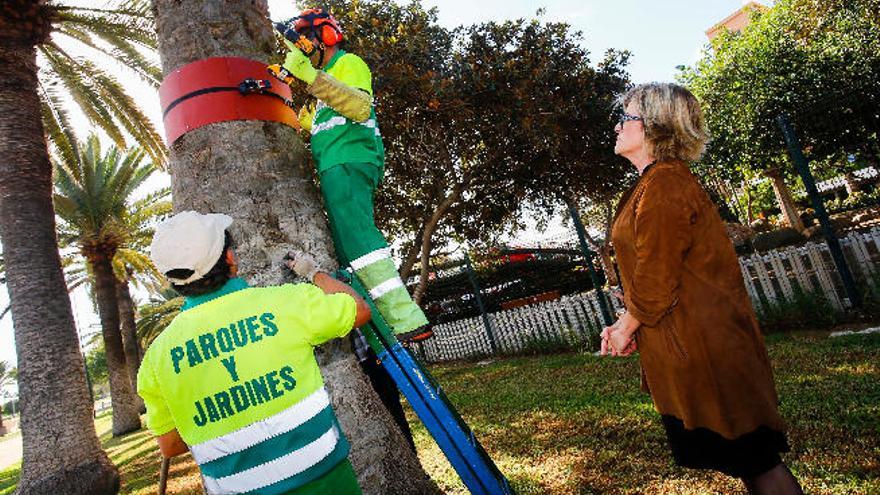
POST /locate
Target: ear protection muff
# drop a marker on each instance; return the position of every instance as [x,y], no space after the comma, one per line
[330,35]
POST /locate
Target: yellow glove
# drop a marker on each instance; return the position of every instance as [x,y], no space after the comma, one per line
[299,65]
[306,116]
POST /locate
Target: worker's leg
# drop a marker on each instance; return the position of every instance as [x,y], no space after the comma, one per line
[388,392]
[348,198]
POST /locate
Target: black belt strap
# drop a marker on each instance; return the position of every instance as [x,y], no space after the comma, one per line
[198,92]
[219,89]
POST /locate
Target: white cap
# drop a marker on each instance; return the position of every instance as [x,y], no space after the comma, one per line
[191,241]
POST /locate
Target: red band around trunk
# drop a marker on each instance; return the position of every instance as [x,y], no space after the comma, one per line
[206,91]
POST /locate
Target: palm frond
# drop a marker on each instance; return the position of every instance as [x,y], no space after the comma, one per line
[157,314]
[75,75]
[59,131]
[119,49]
[126,112]
[134,25]
[123,32]
[131,261]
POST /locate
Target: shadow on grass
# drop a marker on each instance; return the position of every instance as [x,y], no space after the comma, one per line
[137,456]
[578,424]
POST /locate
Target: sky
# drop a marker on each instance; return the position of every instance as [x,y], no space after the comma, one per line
[661,35]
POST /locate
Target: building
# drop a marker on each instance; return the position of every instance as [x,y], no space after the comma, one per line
[736,21]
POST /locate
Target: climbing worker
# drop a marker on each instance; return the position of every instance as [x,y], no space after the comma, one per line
[233,379]
[350,158]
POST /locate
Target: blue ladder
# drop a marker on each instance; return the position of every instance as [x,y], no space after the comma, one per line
[452,434]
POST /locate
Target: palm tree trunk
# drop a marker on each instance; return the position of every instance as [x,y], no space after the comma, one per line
[122,395]
[61,449]
[257,173]
[129,338]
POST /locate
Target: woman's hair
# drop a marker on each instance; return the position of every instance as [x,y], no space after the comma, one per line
[216,277]
[673,121]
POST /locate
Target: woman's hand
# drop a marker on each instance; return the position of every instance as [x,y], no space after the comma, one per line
[617,339]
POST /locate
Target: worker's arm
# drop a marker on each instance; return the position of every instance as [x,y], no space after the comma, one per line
[305,266]
[330,285]
[170,444]
[350,101]
[159,419]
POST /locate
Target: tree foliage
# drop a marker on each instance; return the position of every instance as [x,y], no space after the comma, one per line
[8,374]
[815,60]
[96,364]
[482,120]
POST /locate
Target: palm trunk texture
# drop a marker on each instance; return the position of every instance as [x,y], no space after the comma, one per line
[130,343]
[61,449]
[257,172]
[126,417]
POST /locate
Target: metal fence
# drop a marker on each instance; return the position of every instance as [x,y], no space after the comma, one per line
[574,321]
[571,321]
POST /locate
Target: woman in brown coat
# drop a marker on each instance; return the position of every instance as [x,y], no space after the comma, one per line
[687,311]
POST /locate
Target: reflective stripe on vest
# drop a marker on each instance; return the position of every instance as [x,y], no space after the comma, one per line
[278,448]
[339,120]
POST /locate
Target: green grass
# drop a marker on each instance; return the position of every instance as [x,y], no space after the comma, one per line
[578,424]
[575,423]
[9,479]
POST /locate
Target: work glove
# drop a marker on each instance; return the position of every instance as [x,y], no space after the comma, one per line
[302,264]
[306,116]
[299,65]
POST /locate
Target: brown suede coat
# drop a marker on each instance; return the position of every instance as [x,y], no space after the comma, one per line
[702,354]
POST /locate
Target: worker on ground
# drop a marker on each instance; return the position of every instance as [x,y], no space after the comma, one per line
[350,157]
[233,378]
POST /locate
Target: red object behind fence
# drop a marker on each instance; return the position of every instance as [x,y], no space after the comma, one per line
[206,91]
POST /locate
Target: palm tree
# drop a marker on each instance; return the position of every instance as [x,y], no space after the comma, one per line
[61,449]
[131,265]
[256,172]
[92,199]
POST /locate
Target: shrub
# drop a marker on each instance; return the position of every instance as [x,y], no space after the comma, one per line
[777,239]
[808,309]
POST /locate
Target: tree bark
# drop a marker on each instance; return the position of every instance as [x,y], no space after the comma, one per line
[61,449]
[784,199]
[129,338]
[257,173]
[126,418]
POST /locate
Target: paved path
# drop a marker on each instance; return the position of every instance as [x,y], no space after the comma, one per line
[10,452]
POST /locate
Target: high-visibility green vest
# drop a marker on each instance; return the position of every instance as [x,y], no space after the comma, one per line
[337,139]
[236,375]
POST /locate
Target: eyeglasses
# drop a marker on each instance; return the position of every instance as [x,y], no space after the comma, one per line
[625,117]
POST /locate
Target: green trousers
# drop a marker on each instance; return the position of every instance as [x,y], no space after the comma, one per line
[341,480]
[348,198]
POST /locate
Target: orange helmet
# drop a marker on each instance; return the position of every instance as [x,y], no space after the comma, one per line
[318,25]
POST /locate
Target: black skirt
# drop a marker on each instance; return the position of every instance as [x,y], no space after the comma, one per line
[743,457]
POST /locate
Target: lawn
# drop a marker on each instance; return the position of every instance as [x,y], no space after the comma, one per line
[575,423]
